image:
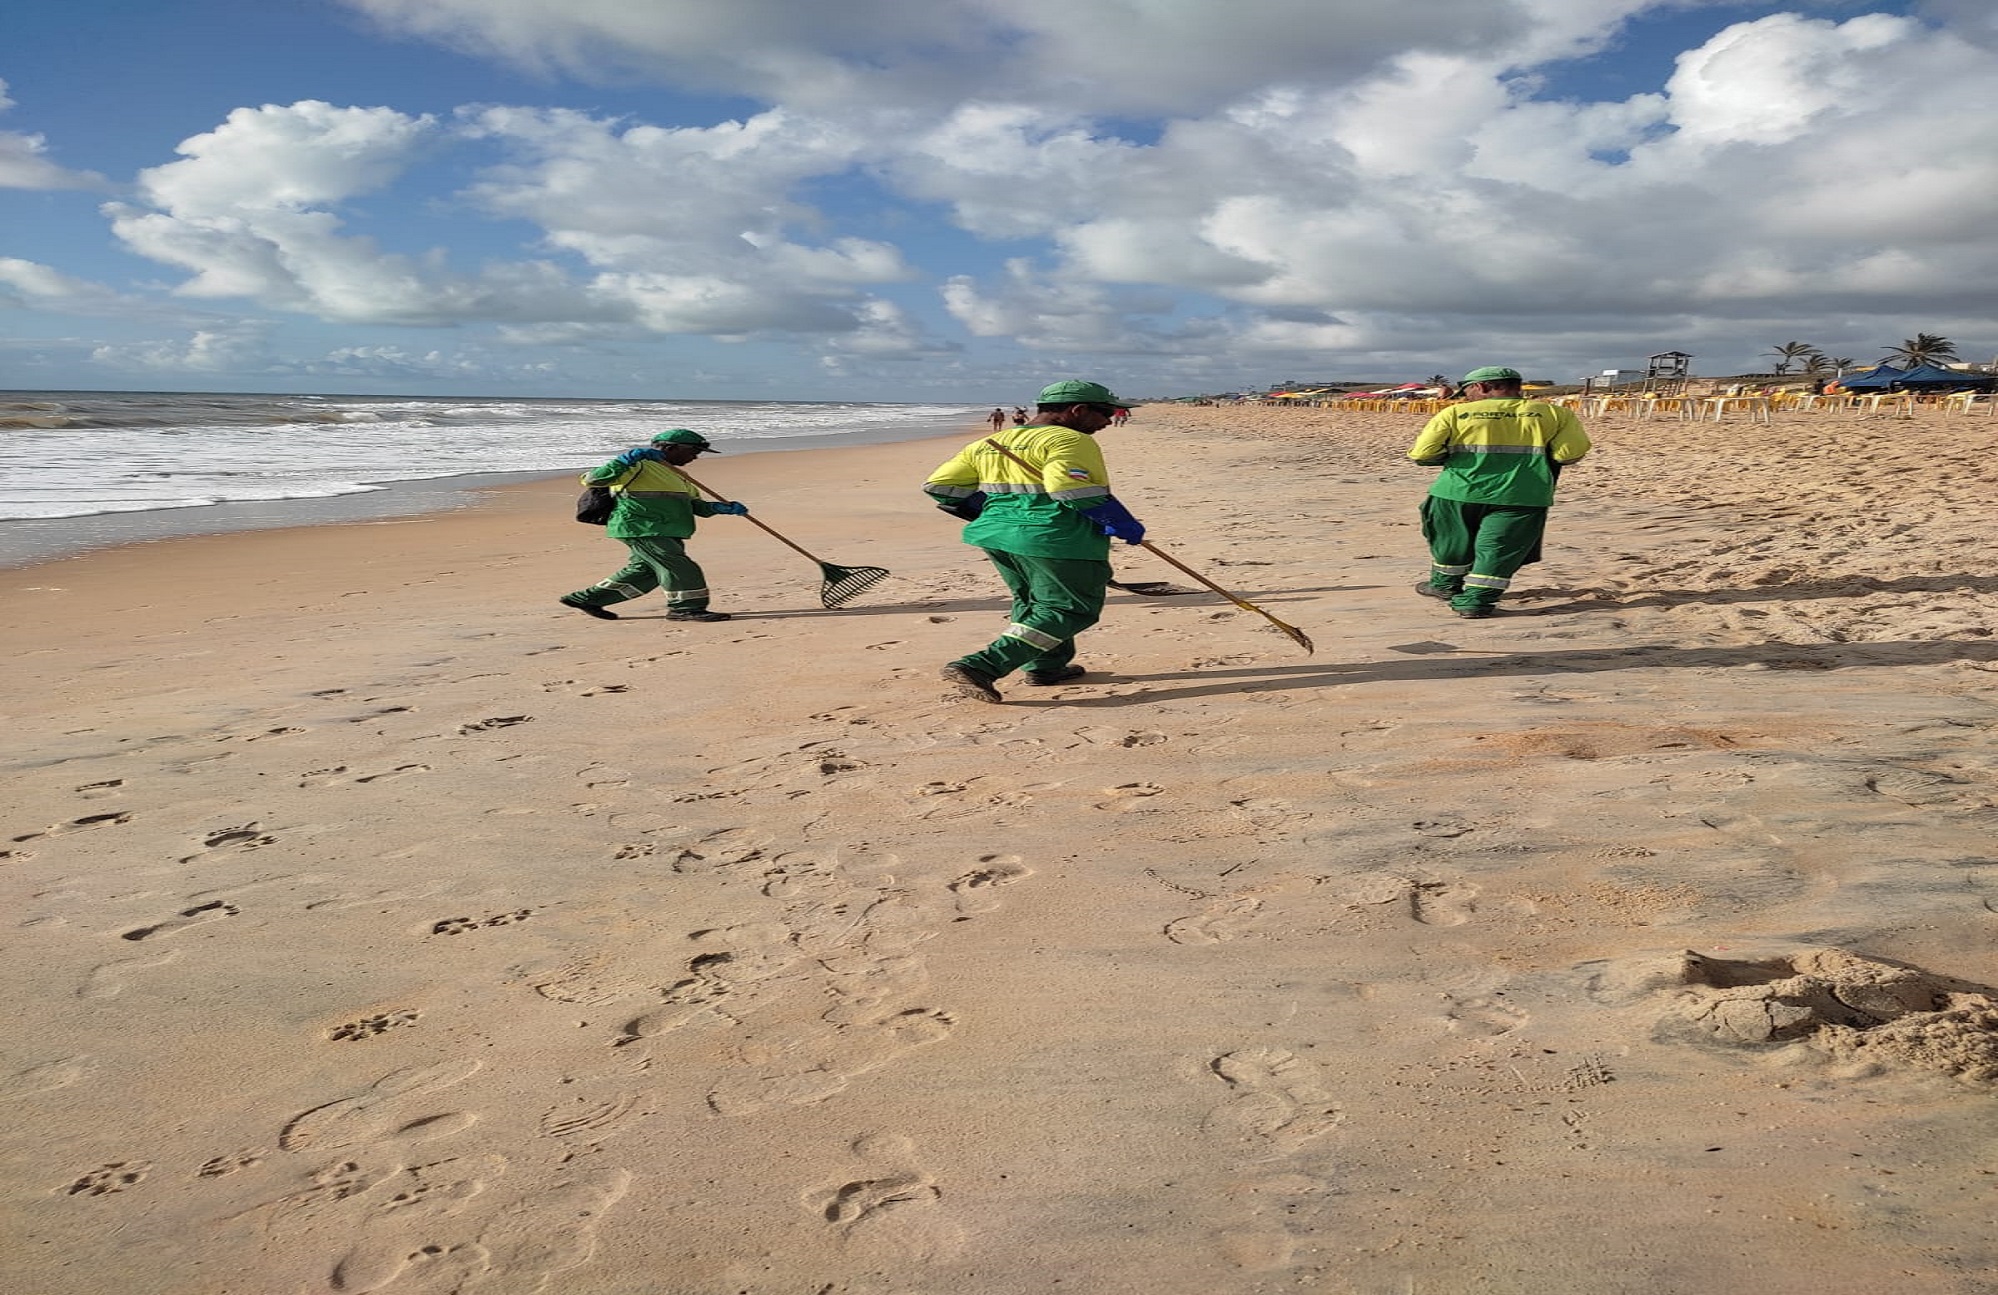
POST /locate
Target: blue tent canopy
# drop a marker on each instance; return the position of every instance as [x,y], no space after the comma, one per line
[1923,377]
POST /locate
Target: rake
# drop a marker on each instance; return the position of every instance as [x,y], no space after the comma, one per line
[842,584]
[1295,634]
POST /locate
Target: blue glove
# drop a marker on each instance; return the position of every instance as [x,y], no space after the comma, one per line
[730,509]
[638,454]
[1115,520]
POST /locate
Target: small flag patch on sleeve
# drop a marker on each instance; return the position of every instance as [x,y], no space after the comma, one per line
[1077,474]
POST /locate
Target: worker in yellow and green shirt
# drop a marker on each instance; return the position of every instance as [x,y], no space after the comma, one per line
[1046,527]
[656,508]
[1487,511]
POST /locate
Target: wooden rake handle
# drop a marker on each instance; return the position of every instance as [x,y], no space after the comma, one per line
[748,517]
[1295,634]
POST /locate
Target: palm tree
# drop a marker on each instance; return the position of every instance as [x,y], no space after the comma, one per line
[1789,353]
[1922,348]
[1840,363]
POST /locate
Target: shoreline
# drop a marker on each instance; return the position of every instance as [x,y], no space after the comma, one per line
[29,541]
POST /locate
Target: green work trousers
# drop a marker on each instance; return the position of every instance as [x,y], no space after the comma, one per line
[656,561]
[1474,549]
[1054,599]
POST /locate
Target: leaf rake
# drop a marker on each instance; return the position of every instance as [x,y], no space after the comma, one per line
[842,584]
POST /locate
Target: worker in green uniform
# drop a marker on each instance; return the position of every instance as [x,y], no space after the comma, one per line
[1046,527]
[656,508]
[1486,512]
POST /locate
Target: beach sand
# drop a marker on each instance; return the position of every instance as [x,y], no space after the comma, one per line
[379,925]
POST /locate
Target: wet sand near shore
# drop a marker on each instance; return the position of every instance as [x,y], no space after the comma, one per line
[381,926]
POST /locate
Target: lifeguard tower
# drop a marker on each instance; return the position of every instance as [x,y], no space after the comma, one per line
[1666,373]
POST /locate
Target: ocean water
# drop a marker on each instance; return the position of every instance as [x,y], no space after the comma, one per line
[80,454]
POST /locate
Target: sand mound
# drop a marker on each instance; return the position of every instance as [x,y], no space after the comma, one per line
[1851,1007]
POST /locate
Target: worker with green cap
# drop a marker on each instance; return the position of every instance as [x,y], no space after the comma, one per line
[1046,526]
[1485,514]
[655,513]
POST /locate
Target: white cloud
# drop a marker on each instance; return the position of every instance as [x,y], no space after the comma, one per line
[237,348]
[24,163]
[1288,177]
[1791,167]
[692,228]
[1125,56]
[240,210]
[886,332]
[686,230]
[41,283]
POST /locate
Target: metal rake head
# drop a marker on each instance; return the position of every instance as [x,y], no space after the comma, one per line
[843,584]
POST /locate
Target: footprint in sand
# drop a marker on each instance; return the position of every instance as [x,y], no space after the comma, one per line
[387,1110]
[369,1027]
[245,837]
[835,1057]
[891,1209]
[590,980]
[1480,1015]
[1277,1101]
[463,925]
[112,978]
[1442,903]
[213,911]
[1130,795]
[1260,1240]
[78,824]
[586,1116]
[497,721]
[235,1162]
[377,714]
[395,1221]
[390,775]
[688,1001]
[974,890]
[603,775]
[1226,917]
[108,1180]
[46,1077]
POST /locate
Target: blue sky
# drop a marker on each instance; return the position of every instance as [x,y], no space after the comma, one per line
[782,198]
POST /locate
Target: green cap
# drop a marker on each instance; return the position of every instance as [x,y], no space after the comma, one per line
[681,436]
[1491,373]
[1077,392]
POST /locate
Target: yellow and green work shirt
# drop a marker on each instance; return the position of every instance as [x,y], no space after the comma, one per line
[1500,451]
[1037,514]
[652,500]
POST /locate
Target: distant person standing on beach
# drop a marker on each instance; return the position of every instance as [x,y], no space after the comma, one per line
[1487,511]
[997,419]
[1019,416]
[1046,526]
[656,508]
